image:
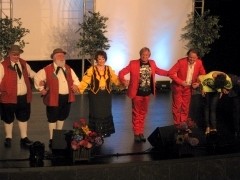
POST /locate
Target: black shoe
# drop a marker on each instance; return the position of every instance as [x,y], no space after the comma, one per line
[142,138]
[137,138]
[25,142]
[50,143]
[7,142]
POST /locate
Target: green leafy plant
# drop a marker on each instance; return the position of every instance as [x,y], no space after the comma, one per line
[92,37]
[201,31]
[11,32]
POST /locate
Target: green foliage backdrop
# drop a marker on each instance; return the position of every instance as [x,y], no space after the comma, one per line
[92,35]
[12,32]
[201,31]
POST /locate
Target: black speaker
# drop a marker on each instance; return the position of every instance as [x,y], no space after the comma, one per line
[60,140]
[37,150]
[163,85]
[163,137]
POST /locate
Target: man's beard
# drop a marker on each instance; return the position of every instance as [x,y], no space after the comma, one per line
[60,63]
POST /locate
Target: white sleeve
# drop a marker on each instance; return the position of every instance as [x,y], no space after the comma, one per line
[75,78]
[39,76]
[31,73]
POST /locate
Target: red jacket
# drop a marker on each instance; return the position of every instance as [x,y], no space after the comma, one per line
[8,85]
[133,68]
[51,98]
[178,73]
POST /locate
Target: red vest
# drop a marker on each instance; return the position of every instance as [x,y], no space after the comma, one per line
[8,85]
[51,98]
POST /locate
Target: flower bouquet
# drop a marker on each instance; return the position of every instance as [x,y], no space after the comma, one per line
[83,139]
[82,136]
[184,134]
[187,125]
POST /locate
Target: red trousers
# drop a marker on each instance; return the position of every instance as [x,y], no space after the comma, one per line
[139,111]
[181,97]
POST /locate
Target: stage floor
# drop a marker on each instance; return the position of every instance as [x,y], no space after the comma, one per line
[119,147]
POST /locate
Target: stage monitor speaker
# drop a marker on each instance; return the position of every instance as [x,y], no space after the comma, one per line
[59,140]
[163,85]
[163,137]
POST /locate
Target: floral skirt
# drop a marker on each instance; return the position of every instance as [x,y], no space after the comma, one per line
[100,113]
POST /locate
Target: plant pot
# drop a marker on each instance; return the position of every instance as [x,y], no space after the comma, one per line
[82,154]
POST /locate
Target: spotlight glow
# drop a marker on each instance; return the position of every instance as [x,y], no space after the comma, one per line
[158,28]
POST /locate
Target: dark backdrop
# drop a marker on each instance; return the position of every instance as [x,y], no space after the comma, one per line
[224,51]
[224,54]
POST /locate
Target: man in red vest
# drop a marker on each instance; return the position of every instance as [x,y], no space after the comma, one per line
[16,94]
[58,90]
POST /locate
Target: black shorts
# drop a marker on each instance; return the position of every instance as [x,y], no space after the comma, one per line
[60,112]
[21,110]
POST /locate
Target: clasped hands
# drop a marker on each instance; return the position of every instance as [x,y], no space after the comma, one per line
[194,85]
[126,83]
[44,91]
[223,91]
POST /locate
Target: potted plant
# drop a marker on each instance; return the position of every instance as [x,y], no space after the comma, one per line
[11,32]
[201,31]
[92,36]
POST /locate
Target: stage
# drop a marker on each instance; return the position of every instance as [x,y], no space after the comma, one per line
[215,157]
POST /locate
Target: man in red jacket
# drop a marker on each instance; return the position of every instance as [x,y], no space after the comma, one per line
[184,78]
[16,94]
[141,85]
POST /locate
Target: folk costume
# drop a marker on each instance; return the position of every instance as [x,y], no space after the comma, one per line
[100,98]
[16,95]
[57,82]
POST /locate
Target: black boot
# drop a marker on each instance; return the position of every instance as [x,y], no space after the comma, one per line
[25,142]
[50,144]
[143,139]
[7,142]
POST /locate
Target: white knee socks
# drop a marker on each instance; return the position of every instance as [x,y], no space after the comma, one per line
[23,129]
[60,125]
[57,125]
[8,130]
[51,127]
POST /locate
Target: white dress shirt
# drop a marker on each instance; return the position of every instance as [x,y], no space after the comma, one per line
[21,85]
[190,74]
[62,82]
